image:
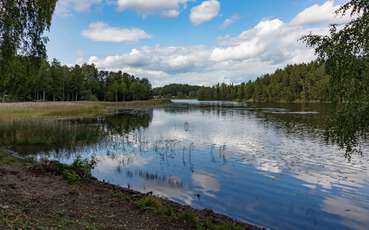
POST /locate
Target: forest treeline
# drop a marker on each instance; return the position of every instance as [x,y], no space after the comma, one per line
[295,83]
[43,81]
[177,91]
[33,80]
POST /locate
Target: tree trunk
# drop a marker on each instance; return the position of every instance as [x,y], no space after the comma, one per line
[4,92]
[63,92]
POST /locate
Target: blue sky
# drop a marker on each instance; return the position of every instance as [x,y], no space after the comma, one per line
[188,41]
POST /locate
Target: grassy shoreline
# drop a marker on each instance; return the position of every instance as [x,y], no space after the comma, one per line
[24,110]
[34,196]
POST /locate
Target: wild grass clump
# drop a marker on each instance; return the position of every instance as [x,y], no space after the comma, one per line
[154,204]
[149,203]
[71,176]
[74,173]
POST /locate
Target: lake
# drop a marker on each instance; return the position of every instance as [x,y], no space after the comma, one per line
[264,164]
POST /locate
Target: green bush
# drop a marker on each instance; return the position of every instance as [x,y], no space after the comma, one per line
[83,167]
[71,177]
[73,173]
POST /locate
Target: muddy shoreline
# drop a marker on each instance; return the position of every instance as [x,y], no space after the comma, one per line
[33,196]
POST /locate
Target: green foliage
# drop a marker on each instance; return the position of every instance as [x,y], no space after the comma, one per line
[346,54]
[22,25]
[154,204]
[55,82]
[25,75]
[349,126]
[295,83]
[83,167]
[75,172]
[177,90]
[71,177]
[124,87]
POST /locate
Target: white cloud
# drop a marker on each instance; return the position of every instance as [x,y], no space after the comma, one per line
[165,59]
[229,21]
[251,43]
[65,7]
[166,8]
[102,32]
[270,44]
[205,12]
[318,14]
[246,49]
[190,64]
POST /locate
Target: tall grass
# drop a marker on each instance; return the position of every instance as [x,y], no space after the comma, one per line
[47,134]
[12,111]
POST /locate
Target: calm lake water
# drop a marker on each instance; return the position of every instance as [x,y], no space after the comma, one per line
[265,164]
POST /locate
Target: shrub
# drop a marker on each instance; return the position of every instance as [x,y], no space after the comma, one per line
[71,177]
[83,167]
[73,173]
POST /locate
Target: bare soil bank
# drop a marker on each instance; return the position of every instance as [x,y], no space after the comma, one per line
[34,197]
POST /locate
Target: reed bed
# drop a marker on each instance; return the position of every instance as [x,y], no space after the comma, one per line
[22,110]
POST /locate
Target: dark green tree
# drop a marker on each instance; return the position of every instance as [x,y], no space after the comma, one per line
[22,25]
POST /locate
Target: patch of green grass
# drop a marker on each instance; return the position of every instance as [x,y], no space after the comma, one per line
[149,203]
[71,177]
[73,173]
[154,204]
